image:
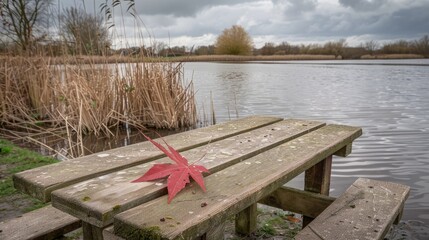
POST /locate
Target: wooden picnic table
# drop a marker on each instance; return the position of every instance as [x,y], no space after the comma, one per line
[259,151]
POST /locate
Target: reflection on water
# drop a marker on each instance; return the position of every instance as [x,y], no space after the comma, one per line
[387,98]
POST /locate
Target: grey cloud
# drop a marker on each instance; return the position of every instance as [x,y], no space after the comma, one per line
[363,5]
[408,21]
[293,8]
[307,20]
[405,23]
[180,8]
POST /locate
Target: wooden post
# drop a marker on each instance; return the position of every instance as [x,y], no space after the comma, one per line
[91,232]
[245,221]
[215,233]
[318,180]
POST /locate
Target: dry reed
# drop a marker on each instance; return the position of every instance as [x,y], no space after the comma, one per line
[38,97]
[236,58]
[392,56]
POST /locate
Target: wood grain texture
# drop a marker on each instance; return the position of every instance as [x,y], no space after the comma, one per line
[108,234]
[365,211]
[298,201]
[40,182]
[345,151]
[318,180]
[43,223]
[246,220]
[232,189]
[91,232]
[318,177]
[96,201]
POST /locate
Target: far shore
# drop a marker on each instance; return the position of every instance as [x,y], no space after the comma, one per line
[207,58]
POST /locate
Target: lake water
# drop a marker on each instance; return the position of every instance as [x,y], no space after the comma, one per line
[388,98]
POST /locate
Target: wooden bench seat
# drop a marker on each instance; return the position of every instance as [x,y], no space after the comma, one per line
[230,191]
[43,223]
[366,210]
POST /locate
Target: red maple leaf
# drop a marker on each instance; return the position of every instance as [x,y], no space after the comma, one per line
[178,173]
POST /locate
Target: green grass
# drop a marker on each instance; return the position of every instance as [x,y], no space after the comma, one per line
[267,229]
[14,159]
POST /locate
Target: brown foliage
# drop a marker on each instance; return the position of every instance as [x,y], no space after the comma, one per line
[37,97]
[234,41]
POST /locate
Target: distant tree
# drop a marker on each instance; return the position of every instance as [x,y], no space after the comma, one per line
[422,46]
[172,51]
[205,50]
[371,46]
[397,47]
[304,49]
[336,48]
[234,41]
[22,21]
[268,49]
[286,48]
[85,32]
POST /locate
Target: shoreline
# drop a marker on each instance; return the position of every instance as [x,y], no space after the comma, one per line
[114,59]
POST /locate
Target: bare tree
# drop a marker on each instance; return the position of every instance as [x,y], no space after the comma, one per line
[84,32]
[422,45]
[336,48]
[268,49]
[371,46]
[234,41]
[22,21]
[205,50]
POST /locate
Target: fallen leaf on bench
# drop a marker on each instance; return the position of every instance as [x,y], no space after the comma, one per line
[178,173]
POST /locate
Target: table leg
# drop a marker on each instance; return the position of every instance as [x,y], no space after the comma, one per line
[91,232]
[215,233]
[245,221]
[318,180]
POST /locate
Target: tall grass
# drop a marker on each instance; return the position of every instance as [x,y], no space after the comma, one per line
[38,97]
[392,56]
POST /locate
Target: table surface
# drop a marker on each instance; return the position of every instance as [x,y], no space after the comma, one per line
[95,188]
[40,182]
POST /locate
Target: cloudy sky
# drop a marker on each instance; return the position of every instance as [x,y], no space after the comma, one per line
[199,22]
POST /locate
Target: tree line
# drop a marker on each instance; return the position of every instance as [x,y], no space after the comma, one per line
[25,27]
[236,41]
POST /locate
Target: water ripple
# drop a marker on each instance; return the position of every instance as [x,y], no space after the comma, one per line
[388,99]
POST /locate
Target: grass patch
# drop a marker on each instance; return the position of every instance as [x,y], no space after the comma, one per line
[271,224]
[14,159]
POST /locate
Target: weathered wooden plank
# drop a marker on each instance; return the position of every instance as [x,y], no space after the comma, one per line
[318,180]
[233,189]
[215,233]
[298,201]
[91,232]
[96,201]
[345,151]
[108,234]
[40,182]
[365,211]
[246,220]
[43,223]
